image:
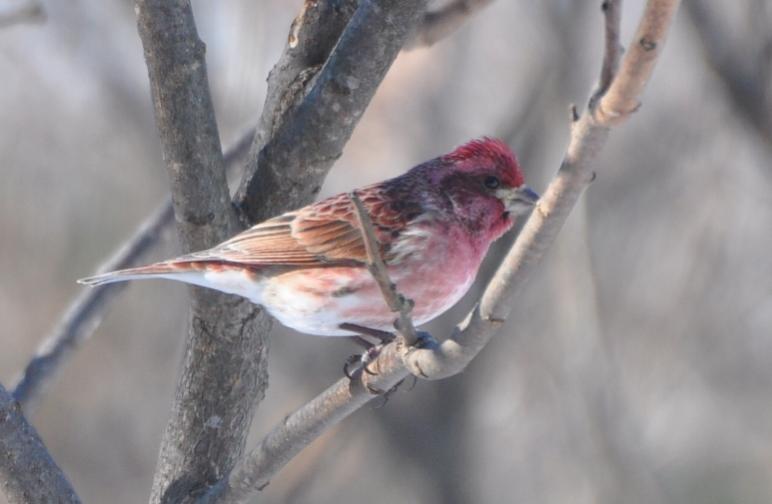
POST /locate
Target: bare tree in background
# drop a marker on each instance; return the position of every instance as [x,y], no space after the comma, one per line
[311,110]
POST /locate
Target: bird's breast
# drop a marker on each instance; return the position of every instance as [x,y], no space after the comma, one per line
[433,268]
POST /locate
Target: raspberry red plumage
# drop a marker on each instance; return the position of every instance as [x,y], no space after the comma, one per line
[434,225]
[491,149]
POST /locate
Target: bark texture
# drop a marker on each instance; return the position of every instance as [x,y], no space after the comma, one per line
[27,471]
[224,370]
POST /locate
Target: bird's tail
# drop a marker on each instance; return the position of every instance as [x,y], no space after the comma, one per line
[161,269]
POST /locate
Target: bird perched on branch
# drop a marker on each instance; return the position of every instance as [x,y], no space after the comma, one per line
[434,225]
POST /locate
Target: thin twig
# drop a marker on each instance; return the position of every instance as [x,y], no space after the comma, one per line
[395,362]
[377,267]
[439,24]
[84,314]
[27,471]
[612,54]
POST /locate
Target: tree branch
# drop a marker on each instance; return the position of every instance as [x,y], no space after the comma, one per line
[436,25]
[622,97]
[190,141]
[299,429]
[85,312]
[395,362]
[224,372]
[612,52]
[313,35]
[27,471]
[289,170]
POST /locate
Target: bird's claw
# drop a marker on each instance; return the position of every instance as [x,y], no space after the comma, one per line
[384,394]
[361,361]
[350,360]
[377,391]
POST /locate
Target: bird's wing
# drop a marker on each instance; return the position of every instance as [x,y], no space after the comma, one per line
[325,233]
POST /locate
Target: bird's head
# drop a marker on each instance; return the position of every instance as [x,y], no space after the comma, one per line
[485,185]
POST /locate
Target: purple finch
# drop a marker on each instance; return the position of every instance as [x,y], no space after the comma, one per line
[434,225]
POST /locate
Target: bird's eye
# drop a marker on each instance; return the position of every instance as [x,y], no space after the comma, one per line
[492,182]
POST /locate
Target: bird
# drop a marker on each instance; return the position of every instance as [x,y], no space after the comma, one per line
[434,225]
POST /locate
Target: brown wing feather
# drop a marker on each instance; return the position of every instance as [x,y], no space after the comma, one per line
[320,234]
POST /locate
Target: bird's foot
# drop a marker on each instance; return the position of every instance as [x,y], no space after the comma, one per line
[358,362]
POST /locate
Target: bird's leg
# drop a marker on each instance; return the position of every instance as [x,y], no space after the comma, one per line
[371,350]
[351,360]
[384,336]
[385,395]
[355,362]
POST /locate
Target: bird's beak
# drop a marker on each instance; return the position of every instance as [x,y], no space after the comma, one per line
[519,200]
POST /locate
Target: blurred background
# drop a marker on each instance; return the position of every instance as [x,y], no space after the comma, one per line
[636,366]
